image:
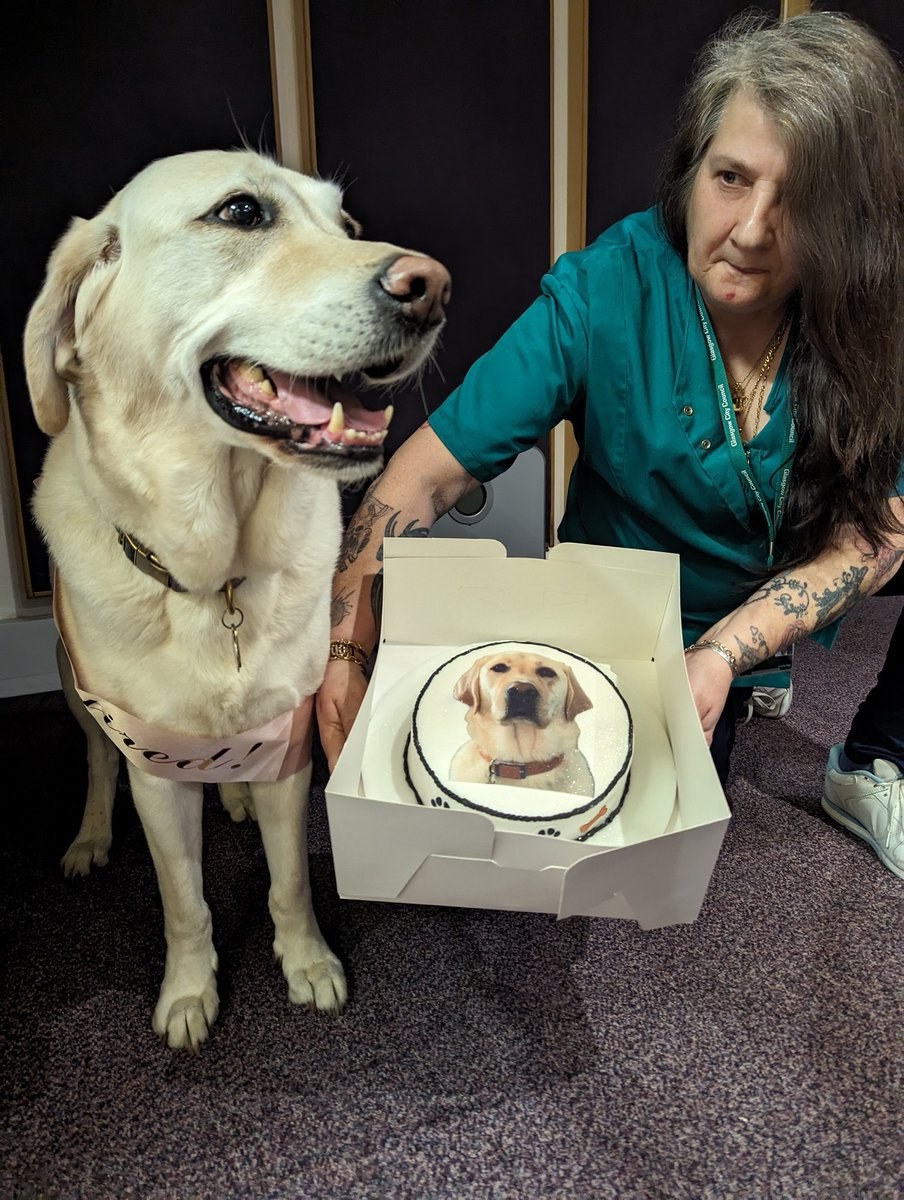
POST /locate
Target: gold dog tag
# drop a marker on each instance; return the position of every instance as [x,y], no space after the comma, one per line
[233,626]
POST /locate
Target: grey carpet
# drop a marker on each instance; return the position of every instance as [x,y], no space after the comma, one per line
[756,1053]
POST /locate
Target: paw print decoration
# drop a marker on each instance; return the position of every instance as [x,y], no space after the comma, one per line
[549,832]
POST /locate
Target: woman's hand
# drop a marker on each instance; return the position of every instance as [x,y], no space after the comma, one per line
[710,678]
[337,706]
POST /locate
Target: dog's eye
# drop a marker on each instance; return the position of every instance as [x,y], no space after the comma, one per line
[352,227]
[242,210]
[500,668]
[546,672]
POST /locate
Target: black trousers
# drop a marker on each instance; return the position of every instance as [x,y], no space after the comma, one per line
[877,730]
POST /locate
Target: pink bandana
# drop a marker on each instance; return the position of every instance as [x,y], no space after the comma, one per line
[275,750]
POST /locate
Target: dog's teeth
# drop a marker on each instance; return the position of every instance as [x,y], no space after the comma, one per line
[265,386]
[337,420]
[250,372]
[387,415]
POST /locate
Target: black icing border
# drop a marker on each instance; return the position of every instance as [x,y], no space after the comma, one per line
[463,800]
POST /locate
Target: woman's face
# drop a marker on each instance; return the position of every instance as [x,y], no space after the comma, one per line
[737,233]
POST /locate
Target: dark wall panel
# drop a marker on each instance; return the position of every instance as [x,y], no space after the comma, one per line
[90,93]
[885,17]
[436,118]
[640,60]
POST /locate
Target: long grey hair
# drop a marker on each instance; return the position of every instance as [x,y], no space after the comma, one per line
[835,94]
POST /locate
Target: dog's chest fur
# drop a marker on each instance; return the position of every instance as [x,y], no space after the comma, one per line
[277,529]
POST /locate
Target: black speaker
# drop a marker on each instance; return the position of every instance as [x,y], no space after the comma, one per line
[511,509]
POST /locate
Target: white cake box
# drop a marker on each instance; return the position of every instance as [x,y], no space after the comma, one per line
[617,607]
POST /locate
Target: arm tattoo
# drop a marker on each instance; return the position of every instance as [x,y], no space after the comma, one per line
[835,601]
[810,611]
[886,560]
[795,631]
[790,595]
[749,655]
[360,528]
[412,529]
[340,607]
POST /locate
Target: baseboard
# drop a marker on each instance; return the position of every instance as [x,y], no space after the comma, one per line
[28,656]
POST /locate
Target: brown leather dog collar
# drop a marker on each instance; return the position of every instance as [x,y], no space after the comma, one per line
[501,768]
[149,564]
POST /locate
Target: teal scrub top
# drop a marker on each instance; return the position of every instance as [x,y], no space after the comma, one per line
[615,344]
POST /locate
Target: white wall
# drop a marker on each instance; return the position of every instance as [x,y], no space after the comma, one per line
[27,635]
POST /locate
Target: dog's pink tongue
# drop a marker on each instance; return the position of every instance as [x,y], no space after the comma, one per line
[310,402]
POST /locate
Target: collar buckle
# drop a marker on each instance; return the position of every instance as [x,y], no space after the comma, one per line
[147,561]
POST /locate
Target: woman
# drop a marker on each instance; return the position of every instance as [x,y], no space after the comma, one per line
[731,362]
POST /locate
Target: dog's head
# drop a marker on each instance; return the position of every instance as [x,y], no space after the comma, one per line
[235,299]
[518,686]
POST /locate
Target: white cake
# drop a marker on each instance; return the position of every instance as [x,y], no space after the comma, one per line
[536,738]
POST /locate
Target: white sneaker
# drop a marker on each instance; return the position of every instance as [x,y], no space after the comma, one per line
[869,804]
[770,701]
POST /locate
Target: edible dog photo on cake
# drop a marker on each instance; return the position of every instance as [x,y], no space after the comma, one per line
[522,710]
[497,718]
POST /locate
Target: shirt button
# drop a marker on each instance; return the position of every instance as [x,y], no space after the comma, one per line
[705,444]
[687,410]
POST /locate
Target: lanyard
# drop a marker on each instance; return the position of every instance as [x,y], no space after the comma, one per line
[739,459]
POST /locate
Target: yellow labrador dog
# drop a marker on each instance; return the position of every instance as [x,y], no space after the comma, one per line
[521,722]
[192,355]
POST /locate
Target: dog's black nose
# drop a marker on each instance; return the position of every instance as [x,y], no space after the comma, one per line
[521,700]
[422,286]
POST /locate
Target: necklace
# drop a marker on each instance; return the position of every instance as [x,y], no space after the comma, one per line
[742,401]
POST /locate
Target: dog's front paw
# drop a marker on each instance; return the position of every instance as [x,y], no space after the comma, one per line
[84,854]
[188,1003]
[314,975]
[185,1024]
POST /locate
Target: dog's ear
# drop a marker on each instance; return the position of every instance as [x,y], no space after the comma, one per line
[576,699]
[50,349]
[467,689]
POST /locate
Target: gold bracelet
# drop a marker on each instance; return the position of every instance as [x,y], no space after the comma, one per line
[717,648]
[345,650]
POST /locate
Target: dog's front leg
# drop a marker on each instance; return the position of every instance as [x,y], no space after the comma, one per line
[313,972]
[171,815]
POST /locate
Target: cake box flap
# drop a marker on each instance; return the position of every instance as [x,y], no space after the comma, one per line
[677,861]
[414,835]
[408,547]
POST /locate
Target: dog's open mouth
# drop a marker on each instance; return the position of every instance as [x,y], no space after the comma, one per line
[319,416]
